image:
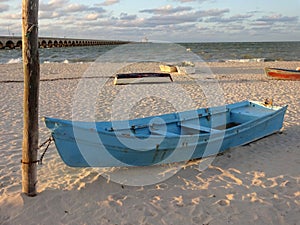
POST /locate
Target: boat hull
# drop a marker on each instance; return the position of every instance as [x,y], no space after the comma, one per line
[282,74]
[168,68]
[85,144]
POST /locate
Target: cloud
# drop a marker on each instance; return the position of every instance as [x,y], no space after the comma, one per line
[169,20]
[259,24]
[96,9]
[168,9]
[53,5]
[278,18]
[185,1]
[125,16]
[183,18]
[75,7]
[4,7]
[213,12]
[11,16]
[168,15]
[184,21]
[49,15]
[56,9]
[92,16]
[109,2]
[236,18]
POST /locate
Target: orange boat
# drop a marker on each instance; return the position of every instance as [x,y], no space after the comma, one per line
[283,74]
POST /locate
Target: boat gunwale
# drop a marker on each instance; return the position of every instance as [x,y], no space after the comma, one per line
[283,70]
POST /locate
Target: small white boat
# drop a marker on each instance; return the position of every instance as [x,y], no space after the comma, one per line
[168,68]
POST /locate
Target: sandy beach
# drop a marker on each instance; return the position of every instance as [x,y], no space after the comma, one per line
[258,183]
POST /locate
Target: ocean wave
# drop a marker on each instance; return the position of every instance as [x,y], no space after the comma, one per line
[208,52]
[11,61]
[246,60]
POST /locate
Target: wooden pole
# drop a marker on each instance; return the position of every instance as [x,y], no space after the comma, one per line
[31,69]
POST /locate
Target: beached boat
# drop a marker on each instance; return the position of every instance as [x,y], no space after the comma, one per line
[168,68]
[283,74]
[165,138]
[134,78]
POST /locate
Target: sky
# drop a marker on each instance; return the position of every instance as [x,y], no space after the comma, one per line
[161,20]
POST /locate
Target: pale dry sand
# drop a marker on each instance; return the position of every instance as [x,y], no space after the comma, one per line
[253,184]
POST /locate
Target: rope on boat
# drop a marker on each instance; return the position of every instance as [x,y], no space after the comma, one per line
[40,161]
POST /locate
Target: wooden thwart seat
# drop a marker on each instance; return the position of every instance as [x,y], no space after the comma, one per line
[163,133]
[199,128]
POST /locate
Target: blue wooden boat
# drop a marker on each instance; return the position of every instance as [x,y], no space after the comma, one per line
[167,138]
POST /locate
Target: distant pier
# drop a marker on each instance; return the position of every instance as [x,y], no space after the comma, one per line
[12,42]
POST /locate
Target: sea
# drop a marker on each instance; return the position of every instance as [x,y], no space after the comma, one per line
[209,52]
